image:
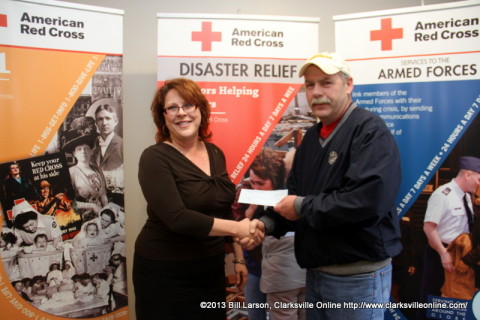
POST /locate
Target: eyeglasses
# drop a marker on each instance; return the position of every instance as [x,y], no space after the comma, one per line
[187,108]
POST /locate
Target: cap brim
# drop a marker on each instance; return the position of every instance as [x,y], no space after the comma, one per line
[325,67]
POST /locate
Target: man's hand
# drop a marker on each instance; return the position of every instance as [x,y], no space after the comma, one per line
[286,208]
[256,236]
[447,261]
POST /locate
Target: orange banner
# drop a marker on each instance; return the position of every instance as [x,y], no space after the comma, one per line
[41,89]
[60,95]
[263,104]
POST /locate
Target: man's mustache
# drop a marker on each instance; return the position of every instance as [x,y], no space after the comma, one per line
[320,101]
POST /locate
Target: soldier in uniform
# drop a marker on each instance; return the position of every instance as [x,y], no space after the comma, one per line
[49,203]
[449,214]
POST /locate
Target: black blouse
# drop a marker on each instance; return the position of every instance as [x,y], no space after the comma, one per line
[182,201]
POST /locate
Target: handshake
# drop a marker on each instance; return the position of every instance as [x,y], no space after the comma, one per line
[250,233]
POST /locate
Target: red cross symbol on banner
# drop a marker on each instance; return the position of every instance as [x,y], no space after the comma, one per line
[206,36]
[386,34]
[3,20]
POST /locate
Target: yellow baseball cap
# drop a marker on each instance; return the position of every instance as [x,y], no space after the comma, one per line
[328,62]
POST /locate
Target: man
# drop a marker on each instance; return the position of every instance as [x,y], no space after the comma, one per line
[108,149]
[28,223]
[449,214]
[342,189]
[49,202]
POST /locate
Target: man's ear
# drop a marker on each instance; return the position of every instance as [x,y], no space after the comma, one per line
[349,83]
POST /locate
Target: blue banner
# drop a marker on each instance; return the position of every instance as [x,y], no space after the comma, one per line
[427,120]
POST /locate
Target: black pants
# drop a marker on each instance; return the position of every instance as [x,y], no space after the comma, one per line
[175,290]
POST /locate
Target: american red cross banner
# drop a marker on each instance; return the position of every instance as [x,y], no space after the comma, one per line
[61,162]
[247,67]
[418,69]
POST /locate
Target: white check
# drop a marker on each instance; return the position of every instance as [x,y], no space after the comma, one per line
[262,197]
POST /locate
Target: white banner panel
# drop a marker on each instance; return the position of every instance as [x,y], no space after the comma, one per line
[243,36]
[69,27]
[412,44]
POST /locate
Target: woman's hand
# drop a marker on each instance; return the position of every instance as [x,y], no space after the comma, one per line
[241,274]
[251,233]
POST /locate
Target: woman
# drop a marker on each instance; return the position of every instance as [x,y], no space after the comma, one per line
[273,272]
[179,254]
[87,179]
[17,186]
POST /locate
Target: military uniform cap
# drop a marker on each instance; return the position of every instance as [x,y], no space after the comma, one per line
[470,163]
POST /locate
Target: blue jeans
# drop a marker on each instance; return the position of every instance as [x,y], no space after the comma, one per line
[253,294]
[334,297]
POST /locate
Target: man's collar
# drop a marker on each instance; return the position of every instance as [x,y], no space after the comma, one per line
[107,141]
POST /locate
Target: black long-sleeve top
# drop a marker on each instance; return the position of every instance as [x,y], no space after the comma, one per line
[182,202]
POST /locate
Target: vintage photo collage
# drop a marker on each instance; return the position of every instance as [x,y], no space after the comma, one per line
[63,237]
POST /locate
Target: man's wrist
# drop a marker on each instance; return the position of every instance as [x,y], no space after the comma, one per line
[297,205]
[268,223]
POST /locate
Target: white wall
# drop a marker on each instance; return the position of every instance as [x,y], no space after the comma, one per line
[139,80]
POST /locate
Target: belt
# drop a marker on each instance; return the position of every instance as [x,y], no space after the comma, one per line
[358,267]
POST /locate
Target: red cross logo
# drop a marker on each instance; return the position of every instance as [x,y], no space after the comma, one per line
[3,20]
[386,34]
[206,36]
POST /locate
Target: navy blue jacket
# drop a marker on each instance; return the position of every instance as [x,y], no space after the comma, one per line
[349,183]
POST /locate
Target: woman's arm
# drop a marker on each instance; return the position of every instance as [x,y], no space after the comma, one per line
[240,265]
[238,229]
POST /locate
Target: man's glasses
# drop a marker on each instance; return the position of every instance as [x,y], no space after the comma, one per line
[187,108]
